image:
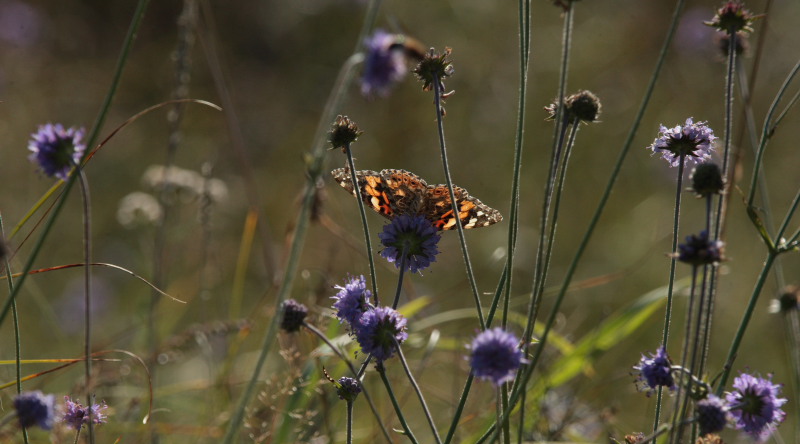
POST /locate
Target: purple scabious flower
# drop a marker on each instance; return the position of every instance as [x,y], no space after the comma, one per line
[379,332]
[56,150]
[76,415]
[347,388]
[693,141]
[293,315]
[352,301]
[495,355]
[755,405]
[35,408]
[712,414]
[412,238]
[700,250]
[656,371]
[384,63]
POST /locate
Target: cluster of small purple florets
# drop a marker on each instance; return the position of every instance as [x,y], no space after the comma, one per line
[495,353]
[37,409]
[754,405]
[379,330]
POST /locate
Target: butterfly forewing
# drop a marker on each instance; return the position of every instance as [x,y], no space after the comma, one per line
[395,192]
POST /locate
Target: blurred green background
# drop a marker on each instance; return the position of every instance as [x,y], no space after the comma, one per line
[272,65]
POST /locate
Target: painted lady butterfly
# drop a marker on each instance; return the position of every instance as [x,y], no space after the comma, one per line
[395,192]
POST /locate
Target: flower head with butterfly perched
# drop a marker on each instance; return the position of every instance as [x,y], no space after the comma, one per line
[392,193]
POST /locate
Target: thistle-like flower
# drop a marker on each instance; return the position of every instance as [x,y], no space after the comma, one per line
[343,132]
[582,106]
[733,17]
[755,404]
[379,332]
[495,356]
[410,240]
[35,408]
[656,371]
[56,150]
[693,141]
[293,315]
[76,415]
[434,67]
[352,301]
[700,250]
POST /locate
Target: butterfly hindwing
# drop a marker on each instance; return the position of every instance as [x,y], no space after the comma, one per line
[393,192]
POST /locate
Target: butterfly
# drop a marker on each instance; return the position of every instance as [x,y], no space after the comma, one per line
[397,192]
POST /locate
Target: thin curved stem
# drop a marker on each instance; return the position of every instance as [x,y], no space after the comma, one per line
[417,390]
[130,37]
[400,417]
[527,374]
[14,317]
[356,374]
[671,282]
[682,394]
[402,273]
[301,227]
[437,93]
[748,313]
[367,239]
[87,285]
[349,422]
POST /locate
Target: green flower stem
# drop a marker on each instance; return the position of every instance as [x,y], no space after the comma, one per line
[559,130]
[462,401]
[737,340]
[87,286]
[400,417]
[315,164]
[356,375]
[15,318]
[417,390]
[437,93]
[502,393]
[350,422]
[364,224]
[524,23]
[130,37]
[788,218]
[682,394]
[767,132]
[671,282]
[533,305]
[551,236]
[528,373]
[400,277]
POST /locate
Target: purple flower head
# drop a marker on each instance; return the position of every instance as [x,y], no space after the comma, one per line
[712,415]
[693,141]
[56,149]
[755,405]
[293,315]
[379,331]
[352,301]
[700,250]
[76,415]
[347,388]
[495,355]
[35,408]
[413,238]
[656,370]
[384,64]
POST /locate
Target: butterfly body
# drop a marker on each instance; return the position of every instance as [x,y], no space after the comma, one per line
[391,193]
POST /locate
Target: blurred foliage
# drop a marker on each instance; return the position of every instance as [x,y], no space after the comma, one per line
[271,65]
